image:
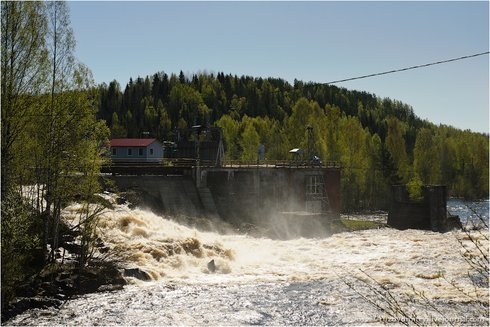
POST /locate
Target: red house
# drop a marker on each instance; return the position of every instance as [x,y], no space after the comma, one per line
[136,150]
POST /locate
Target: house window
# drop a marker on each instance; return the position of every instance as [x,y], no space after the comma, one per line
[314,185]
[130,152]
[113,151]
[151,152]
[140,152]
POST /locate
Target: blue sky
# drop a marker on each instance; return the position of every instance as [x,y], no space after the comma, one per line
[309,41]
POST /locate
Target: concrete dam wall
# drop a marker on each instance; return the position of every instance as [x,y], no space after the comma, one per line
[241,195]
[172,195]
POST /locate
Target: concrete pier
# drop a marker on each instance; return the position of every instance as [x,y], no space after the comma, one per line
[429,213]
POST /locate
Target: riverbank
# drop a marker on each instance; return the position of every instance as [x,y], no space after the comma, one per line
[58,283]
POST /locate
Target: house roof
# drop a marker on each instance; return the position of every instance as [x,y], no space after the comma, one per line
[131,142]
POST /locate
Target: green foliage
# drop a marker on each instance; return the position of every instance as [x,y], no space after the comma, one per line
[52,141]
[117,130]
[354,225]
[395,144]
[24,58]
[414,188]
[354,144]
[378,141]
[332,132]
[230,129]
[249,141]
[21,243]
[186,103]
[427,157]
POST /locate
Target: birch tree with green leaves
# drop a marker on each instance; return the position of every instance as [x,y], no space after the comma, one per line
[230,129]
[23,80]
[395,144]
[249,141]
[69,135]
[51,138]
[427,157]
[355,160]
[24,72]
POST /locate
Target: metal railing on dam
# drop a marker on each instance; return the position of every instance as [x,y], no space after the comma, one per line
[182,166]
[278,164]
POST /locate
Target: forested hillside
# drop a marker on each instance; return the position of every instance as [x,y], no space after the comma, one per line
[378,141]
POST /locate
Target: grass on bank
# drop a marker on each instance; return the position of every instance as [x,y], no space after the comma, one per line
[354,225]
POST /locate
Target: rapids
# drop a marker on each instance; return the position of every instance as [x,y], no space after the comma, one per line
[263,281]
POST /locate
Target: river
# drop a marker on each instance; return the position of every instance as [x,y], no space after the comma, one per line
[260,281]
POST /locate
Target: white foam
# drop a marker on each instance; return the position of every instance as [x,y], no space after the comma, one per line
[172,252]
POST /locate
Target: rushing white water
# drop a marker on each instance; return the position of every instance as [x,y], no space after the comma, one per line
[259,280]
[469,212]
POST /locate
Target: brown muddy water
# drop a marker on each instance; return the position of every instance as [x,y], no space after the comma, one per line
[260,281]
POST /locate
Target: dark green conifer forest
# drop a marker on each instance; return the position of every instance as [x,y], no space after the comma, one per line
[378,141]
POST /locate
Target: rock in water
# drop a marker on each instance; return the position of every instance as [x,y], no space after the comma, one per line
[137,273]
[121,200]
[211,266]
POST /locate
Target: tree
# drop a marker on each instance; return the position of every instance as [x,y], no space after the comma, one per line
[182,78]
[230,129]
[355,161]
[237,107]
[187,104]
[164,127]
[307,114]
[51,140]
[378,178]
[23,75]
[114,97]
[62,64]
[297,123]
[332,133]
[117,130]
[150,119]
[426,159]
[67,137]
[271,136]
[249,141]
[447,156]
[21,243]
[395,144]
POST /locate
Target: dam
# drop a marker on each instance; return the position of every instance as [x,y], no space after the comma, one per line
[255,194]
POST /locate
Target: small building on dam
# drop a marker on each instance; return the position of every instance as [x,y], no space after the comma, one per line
[136,150]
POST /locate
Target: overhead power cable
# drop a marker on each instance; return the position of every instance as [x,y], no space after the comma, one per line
[409,68]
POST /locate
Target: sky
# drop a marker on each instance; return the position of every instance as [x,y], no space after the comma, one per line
[309,41]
